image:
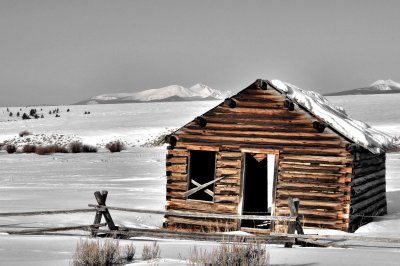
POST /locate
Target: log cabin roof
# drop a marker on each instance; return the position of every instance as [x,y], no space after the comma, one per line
[336,118]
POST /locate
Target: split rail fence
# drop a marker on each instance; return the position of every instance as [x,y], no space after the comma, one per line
[102,210]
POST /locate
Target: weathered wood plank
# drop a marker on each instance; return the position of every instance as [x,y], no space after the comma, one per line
[224,189]
[195,205]
[228,199]
[289,166]
[178,152]
[177,160]
[258,134]
[224,139]
[312,186]
[228,155]
[357,172]
[181,186]
[368,194]
[254,127]
[358,190]
[315,159]
[177,177]
[228,171]
[369,162]
[177,168]
[282,202]
[356,181]
[229,163]
[312,194]
[369,205]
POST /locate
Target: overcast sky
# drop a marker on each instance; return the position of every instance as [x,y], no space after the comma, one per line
[61,52]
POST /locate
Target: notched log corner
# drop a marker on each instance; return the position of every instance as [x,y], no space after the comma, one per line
[319,126]
[201,121]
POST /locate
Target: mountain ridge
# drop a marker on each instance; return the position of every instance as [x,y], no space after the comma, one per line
[171,93]
[377,87]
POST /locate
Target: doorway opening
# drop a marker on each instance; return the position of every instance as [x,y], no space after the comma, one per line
[258,183]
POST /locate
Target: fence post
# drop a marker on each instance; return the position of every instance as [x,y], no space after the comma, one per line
[294,204]
[101,201]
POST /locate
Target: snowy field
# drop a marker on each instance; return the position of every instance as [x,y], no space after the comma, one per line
[135,179]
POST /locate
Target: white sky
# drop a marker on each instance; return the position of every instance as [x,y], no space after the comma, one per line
[61,52]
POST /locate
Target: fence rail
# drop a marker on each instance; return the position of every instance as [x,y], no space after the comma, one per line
[199,215]
[101,210]
[288,239]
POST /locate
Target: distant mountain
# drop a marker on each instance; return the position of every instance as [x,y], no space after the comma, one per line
[378,87]
[166,94]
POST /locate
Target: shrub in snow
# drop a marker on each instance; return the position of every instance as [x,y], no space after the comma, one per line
[129,252]
[17,114]
[25,116]
[102,254]
[11,114]
[11,148]
[231,254]
[57,115]
[89,148]
[75,147]
[24,133]
[50,149]
[115,146]
[151,252]
[29,149]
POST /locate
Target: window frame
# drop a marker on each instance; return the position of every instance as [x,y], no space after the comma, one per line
[215,150]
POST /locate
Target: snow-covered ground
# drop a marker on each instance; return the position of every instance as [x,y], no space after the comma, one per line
[135,179]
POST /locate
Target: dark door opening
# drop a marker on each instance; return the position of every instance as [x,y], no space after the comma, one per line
[255,188]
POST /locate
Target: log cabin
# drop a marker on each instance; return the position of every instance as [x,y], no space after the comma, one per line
[269,142]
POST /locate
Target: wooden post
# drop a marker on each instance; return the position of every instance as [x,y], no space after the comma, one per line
[294,204]
[101,201]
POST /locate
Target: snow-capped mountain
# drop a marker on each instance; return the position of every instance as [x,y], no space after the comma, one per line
[385,85]
[378,87]
[165,94]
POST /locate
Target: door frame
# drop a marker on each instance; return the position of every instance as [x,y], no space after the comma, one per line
[243,173]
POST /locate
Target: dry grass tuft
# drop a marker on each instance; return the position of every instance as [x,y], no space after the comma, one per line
[115,146]
[50,149]
[244,254]
[151,252]
[95,253]
[29,148]
[130,251]
[75,147]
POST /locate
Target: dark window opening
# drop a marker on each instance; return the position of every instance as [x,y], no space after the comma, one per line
[255,193]
[201,171]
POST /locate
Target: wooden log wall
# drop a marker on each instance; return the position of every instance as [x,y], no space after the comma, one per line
[368,188]
[313,166]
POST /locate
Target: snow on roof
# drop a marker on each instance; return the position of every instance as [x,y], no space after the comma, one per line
[336,117]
